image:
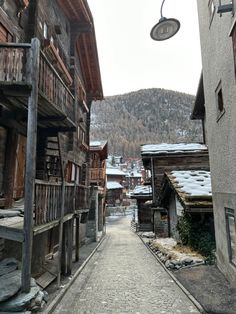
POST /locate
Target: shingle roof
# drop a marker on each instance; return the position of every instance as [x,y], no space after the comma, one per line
[156,149]
[112,185]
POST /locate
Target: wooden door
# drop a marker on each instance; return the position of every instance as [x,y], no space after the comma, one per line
[20,168]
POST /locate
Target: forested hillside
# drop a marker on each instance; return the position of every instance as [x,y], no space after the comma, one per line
[146,116]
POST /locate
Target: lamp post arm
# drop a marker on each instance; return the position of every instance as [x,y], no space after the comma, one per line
[162,7]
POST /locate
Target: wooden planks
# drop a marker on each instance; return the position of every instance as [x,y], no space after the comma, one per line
[12,229]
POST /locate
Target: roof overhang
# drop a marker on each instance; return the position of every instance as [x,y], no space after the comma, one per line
[81,20]
[198,111]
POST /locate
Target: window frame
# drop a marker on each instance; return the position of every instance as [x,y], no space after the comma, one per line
[211,10]
[229,212]
[219,101]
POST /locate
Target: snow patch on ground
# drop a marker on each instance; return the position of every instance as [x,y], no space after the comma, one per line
[168,245]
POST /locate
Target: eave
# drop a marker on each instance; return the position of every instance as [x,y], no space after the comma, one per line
[190,203]
[198,111]
[81,19]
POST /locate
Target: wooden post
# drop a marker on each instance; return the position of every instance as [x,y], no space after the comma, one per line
[30,166]
[77,220]
[62,214]
[64,249]
[70,247]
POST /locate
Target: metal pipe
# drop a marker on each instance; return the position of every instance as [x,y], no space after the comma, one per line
[162,8]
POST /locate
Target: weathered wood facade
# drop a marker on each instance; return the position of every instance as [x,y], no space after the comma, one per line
[172,157]
[49,75]
[97,176]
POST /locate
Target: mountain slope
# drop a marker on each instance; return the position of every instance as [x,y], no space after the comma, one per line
[146,116]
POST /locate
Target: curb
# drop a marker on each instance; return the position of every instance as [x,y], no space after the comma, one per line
[186,292]
[60,295]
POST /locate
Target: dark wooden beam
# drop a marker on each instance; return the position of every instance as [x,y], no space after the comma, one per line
[77,239]
[9,173]
[30,166]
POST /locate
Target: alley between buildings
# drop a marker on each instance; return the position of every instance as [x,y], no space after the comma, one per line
[124,277]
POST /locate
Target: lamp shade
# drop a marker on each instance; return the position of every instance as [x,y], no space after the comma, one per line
[165,29]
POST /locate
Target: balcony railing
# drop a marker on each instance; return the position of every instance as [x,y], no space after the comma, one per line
[16,69]
[97,174]
[14,63]
[48,198]
[82,197]
[54,89]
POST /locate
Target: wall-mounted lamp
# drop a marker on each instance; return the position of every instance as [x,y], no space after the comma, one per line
[165,28]
[224,8]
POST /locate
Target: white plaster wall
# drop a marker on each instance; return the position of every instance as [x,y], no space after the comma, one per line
[218,64]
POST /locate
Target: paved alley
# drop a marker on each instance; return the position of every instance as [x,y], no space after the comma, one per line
[124,277]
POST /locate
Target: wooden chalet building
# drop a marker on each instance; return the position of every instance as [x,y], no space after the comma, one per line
[187,191]
[143,196]
[97,178]
[49,75]
[161,158]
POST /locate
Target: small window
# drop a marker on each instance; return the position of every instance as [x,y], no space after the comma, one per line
[231,234]
[219,102]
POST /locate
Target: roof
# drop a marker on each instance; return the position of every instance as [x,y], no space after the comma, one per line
[99,147]
[82,24]
[114,172]
[193,187]
[192,182]
[142,189]
[163,149]
[113,185]
[134,174]
[97,144]
[198,111]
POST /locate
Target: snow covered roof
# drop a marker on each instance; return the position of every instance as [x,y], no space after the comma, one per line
[193,182]
[142,190]
[192,187]
[97,144]
[114,172]
[112,185]
[156,149]
[134,175]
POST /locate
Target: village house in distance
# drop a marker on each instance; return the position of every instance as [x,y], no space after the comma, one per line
[215,104]
[49,76]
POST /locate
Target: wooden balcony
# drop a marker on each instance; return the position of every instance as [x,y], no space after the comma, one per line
[48,199]
[97,176]
[47,209]
[55,101]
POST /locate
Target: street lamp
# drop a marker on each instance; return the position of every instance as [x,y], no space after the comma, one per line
[165,28]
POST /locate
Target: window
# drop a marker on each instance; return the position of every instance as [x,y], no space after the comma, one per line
[231,234]
[211,9]
[219,101]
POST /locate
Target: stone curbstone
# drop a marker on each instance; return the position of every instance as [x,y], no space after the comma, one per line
[52,305]
[186,292]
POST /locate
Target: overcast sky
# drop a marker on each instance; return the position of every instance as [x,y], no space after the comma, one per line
[130,60]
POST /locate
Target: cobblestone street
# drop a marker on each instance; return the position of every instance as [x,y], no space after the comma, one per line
[124,277]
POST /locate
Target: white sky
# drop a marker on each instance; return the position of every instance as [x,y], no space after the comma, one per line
[130,60]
